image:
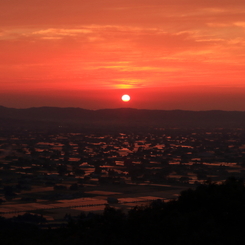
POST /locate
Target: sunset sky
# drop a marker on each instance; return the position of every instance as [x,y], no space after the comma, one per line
[166,54]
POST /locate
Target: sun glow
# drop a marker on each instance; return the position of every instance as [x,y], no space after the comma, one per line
[125,98]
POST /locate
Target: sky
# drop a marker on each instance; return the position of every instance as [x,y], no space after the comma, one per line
[166,54]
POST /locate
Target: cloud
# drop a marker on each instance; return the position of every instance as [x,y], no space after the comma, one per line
[240,24]
[99,43]
[106,12]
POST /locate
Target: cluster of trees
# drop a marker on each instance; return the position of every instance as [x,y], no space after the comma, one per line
[210,214]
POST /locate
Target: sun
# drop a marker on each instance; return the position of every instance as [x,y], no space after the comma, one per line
[125,98]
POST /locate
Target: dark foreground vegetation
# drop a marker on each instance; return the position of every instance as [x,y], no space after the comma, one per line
[210,214]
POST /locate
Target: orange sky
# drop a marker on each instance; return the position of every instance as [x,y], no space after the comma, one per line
[182,54]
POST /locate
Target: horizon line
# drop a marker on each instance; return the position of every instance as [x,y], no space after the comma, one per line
[120,108]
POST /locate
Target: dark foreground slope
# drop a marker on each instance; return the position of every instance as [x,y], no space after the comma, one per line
[53,116]
[211,214]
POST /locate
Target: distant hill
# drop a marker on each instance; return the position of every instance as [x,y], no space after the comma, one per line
[123,116]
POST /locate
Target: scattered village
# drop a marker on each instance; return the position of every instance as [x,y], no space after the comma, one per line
[59,175]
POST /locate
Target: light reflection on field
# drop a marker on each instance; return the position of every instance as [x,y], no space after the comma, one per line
[57,209]
[104,192]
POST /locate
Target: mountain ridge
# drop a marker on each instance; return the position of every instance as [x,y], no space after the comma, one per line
[123,115]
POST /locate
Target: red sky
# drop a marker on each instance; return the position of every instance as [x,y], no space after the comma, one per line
[182,54]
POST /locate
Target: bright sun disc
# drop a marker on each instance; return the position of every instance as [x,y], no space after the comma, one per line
[125,98]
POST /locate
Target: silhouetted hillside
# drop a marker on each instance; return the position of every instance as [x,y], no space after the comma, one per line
[124,116]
